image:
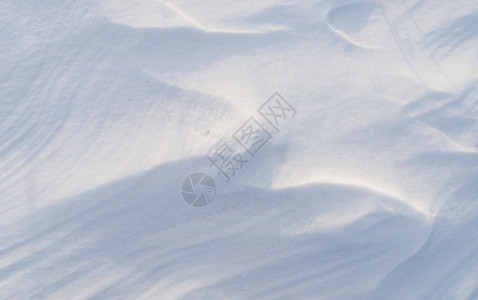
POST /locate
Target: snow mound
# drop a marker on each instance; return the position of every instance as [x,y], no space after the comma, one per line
[367,192]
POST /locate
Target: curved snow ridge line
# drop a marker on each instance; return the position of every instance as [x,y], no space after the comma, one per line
[360,10]
[420,210]
[447,140]
[204,28]
[183,15]
[349,40]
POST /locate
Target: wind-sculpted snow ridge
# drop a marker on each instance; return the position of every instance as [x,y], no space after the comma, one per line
[368,191]
[205,17]
[260,243]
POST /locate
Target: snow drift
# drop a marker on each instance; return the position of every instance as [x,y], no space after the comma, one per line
[368,192]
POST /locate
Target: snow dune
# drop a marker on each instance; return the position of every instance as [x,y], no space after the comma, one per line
[368,192]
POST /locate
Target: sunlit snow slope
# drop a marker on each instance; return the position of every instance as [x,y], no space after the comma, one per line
[369,192]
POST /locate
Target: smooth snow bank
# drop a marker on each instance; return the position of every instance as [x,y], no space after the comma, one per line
[368,192]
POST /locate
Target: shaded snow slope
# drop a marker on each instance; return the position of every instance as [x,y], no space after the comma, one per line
[368,192]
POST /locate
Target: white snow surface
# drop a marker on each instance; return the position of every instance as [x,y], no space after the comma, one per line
[369,192]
